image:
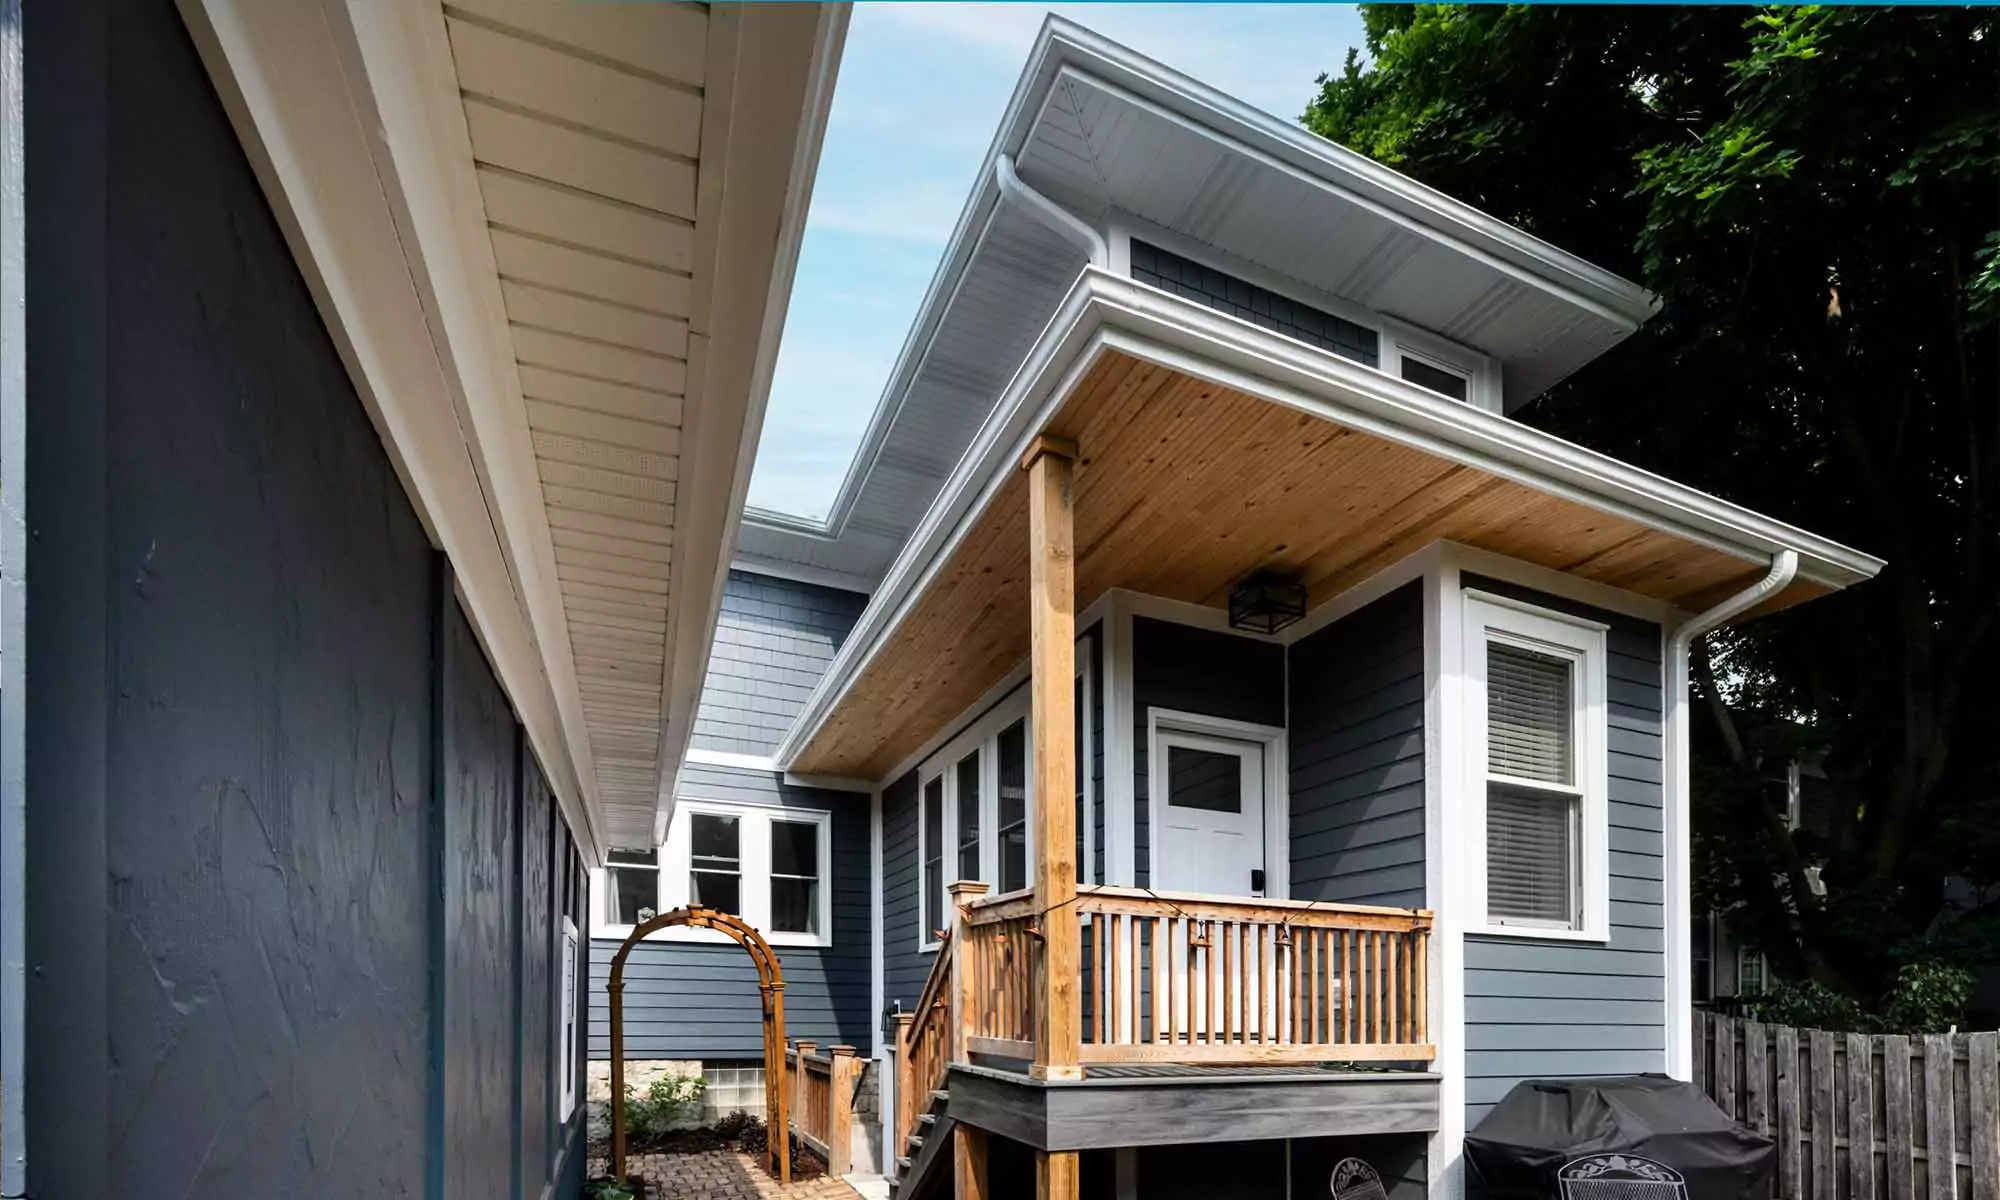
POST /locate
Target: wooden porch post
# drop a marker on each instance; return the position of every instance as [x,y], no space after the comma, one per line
[1050,463]
[968,1163]
[841,1075]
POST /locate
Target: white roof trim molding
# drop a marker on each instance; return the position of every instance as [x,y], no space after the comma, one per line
[350,113]
[1110,312]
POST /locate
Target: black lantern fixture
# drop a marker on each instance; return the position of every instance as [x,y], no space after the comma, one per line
[1266,602]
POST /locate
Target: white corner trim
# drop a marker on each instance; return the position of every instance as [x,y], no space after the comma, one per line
[1277,787]
[1121,725]
[1106,312]
[1446,867]
[696,757]
[1679,820]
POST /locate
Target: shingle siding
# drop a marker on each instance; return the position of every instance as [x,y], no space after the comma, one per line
[1357,756]
[688,1000]
[1557,1008]
[773,641]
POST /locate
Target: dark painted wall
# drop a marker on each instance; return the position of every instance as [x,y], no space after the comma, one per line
[275,889]
[687,999]
[773,641]
[1562,1008]
[1356,754]
[903,965]
[1200,671]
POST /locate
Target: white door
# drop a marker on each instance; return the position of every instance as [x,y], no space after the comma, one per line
[1211,814]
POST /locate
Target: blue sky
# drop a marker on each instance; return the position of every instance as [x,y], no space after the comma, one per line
[921,90]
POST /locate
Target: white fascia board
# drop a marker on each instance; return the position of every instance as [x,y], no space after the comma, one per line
[1109,312]
[298,84]
[770,86]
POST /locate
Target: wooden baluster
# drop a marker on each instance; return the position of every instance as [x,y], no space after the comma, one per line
[1267,983]
[1350,986]
[1423,1006]
[1295,961]
[1313,960]
[1162,1001]
[964,988]
[1391,1011]
[906,1080]
[1232,983]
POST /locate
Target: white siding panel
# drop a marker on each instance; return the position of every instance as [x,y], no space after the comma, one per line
[565,313]
[656,373]
[666,40]
[534,146]
[585,93]
[644,435]
[607,226]
[570,269]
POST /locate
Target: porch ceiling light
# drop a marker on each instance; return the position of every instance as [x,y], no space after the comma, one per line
[1266,602]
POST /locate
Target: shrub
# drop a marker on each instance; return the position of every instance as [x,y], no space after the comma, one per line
[607,1188]
[735,1125]
[1807,1005]
[1929,997]
[670,1099]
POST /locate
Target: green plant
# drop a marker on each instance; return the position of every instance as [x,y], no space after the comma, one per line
[668,1100]
[1807,1004]
[1929,997]
[606,1188]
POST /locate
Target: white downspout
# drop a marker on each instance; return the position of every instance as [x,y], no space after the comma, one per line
[1680,900]
[1048,212]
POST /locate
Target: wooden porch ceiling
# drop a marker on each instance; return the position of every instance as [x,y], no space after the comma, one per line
[1182,488]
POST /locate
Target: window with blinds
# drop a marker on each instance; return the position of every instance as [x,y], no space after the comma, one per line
[1533,801]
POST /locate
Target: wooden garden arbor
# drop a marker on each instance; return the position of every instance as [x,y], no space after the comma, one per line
[770,985]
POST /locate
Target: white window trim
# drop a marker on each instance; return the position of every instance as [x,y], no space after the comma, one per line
[981,737]
[567,1020]
[1490,617]
[754,846]
[1085,754]
[1397,338]
[1163,723]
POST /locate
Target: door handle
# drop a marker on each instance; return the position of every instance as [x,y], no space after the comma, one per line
[1257,880]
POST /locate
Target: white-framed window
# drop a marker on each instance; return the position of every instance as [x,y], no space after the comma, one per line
[770,866]
[973,807]
[566,1030]
[1753,972]
[1539,767]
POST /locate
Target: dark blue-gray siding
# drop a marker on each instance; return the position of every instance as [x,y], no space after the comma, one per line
[1357,756]
[1558,1008]
[773,640]
[263,962]
[689,1000]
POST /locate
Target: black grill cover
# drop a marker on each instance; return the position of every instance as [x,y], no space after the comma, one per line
[1542,1124]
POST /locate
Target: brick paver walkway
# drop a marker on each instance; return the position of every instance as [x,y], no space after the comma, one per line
[725,1175]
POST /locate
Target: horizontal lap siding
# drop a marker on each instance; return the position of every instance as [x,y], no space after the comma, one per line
[1185,669]
[1357,756]
[903,966]
[1537,1009]
[687,1000]
[773,641]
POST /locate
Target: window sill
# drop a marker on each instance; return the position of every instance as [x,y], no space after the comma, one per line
[684,933]
[1532,933]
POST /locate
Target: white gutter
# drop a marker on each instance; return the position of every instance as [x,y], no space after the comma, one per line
[1680,900]
[1048,212]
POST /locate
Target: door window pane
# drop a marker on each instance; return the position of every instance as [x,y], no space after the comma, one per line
[968,817]
[794,877]
[1013,749]
[933,897]
[1204,779]
[715,874]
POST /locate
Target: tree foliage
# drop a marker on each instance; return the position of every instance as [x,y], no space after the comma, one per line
[1814,195]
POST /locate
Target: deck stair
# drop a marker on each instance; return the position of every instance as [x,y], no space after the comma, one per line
[927,1148]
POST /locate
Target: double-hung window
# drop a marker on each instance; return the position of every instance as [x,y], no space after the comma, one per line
[766,865]
[1538,681]
[973,808]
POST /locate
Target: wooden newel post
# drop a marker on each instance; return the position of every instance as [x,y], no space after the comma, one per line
[906,1082]
[963,893]
[1051,463]
[799,1083]
[842,1070]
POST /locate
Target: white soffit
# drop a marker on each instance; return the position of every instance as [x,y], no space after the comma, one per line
[601,227]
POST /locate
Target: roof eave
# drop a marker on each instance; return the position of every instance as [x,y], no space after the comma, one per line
[1109,311]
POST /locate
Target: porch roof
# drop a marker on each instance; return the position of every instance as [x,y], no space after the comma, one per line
[1208,448]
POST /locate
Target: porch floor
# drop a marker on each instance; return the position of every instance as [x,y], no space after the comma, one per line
[723,1175]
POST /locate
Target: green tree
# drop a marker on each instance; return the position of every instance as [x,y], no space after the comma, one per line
[1814,194]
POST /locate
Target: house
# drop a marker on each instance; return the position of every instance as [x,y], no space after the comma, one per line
[1211,736]
[378,384]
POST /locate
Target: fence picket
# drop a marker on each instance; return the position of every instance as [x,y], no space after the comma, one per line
[1756,1079]
[1724,1090]
[1791,1174]
[1984,1091]
[1940,1121]
[1899,1132]
[1860,1117]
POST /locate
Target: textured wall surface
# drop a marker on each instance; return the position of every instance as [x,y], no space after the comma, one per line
[773,641]
[903,965]
[686,999]
[1357,756]
[238,915]
[1560,1008]
[1198,671]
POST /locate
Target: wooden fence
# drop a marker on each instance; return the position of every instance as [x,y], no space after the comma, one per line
[1861,1117]
[822,1108]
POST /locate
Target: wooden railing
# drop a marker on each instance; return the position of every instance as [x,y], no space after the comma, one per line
[1192,979]
[999,975]
[924,1042]
[822,1109]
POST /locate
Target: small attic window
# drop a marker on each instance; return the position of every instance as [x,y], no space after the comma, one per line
[1223,292]
[1434,378]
